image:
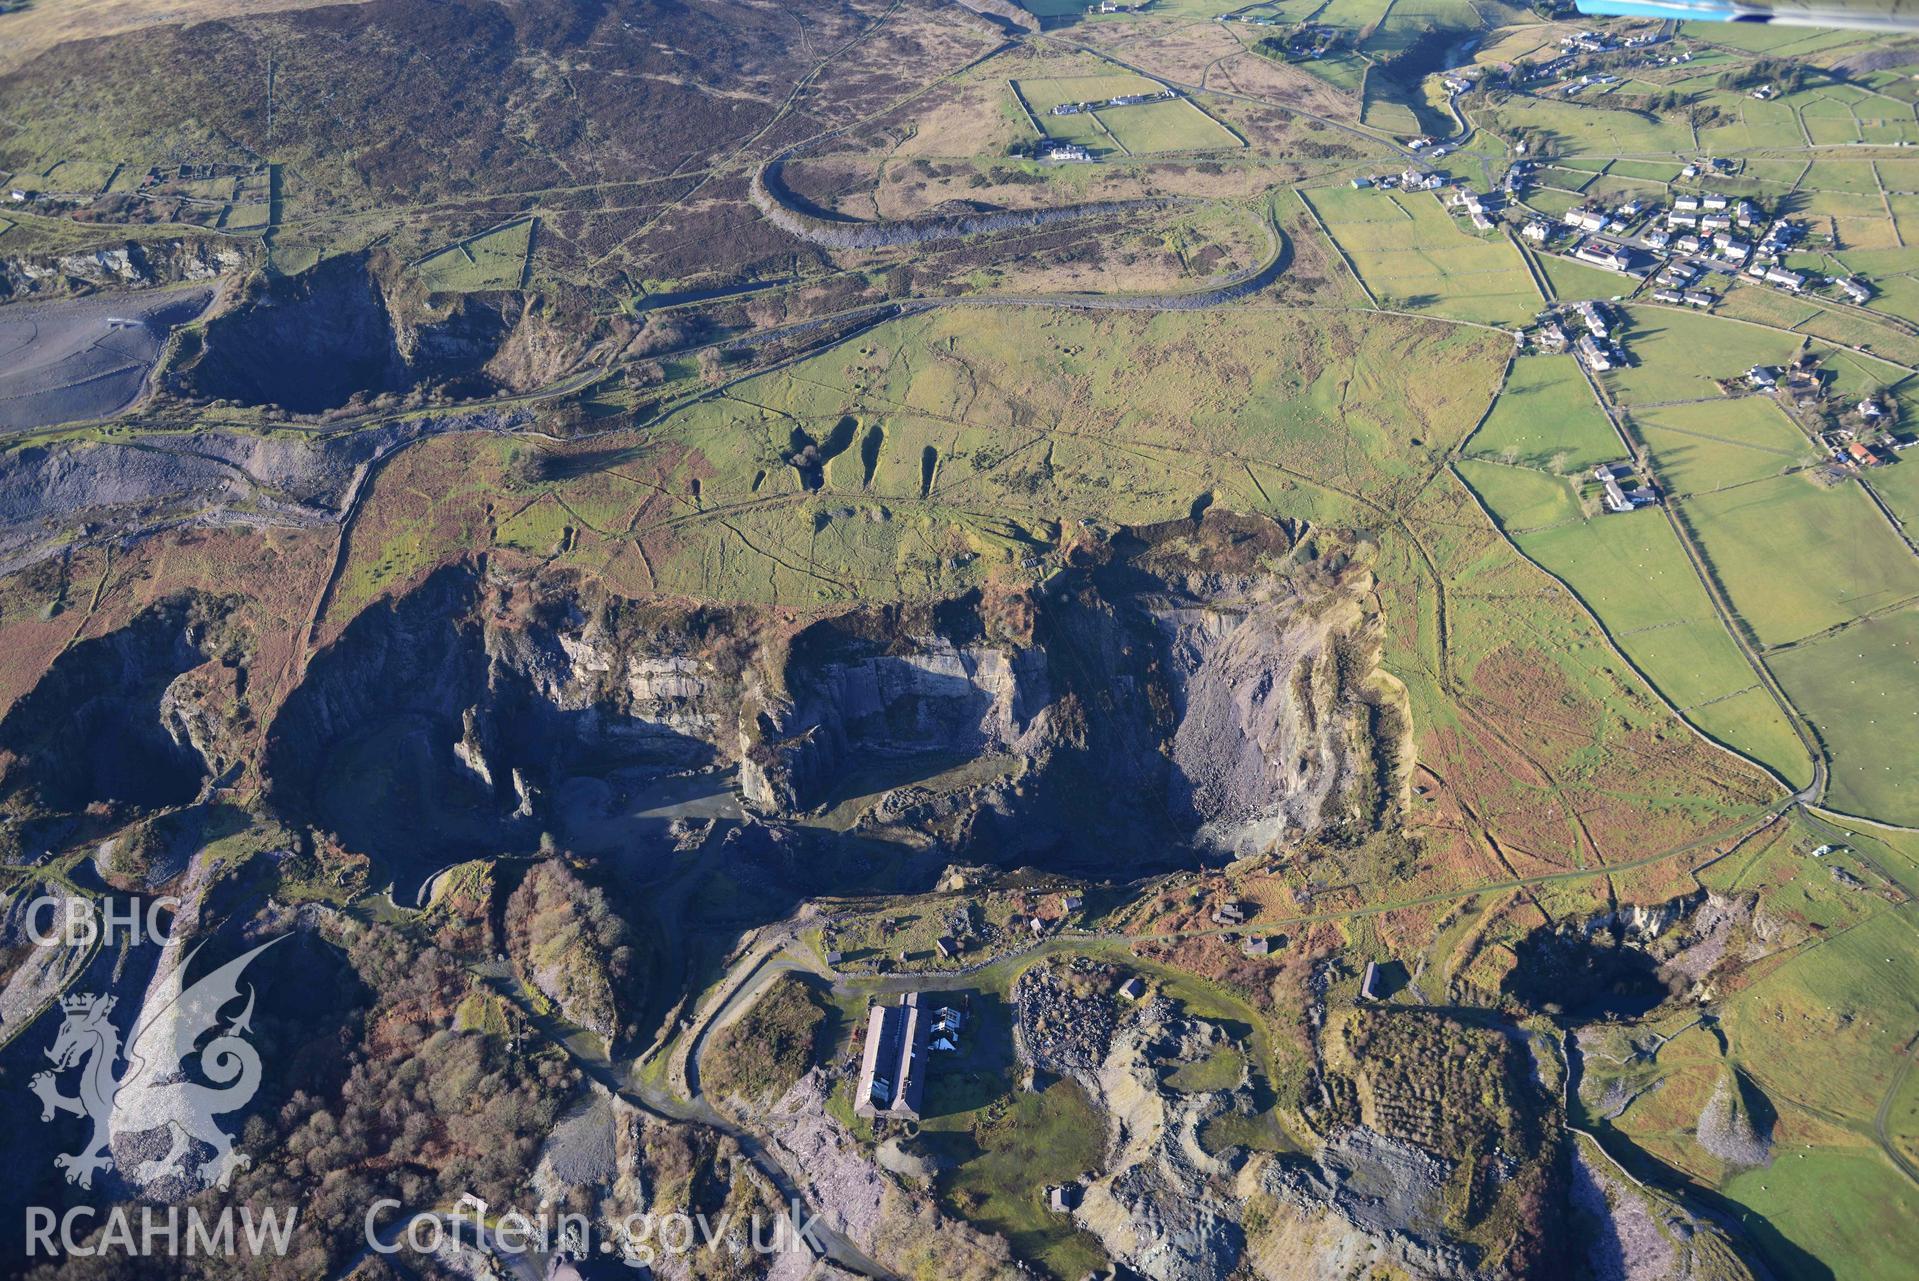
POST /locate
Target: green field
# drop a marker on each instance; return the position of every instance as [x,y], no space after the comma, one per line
[1521,497]
[1415,256]
[1797,558]
[1573,281]
[1166,126]
[1593,130]
[1857,688]
[498,259]
[1715,444]
[1546,417]
[1632,572]
[1680,355]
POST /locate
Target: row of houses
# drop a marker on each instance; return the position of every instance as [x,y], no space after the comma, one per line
[1122,100]
[1689,297]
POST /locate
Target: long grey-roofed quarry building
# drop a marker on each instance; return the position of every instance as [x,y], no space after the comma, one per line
[893,1068]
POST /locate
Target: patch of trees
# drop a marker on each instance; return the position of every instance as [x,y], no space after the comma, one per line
[760,1055]
[394,1104]
[1787,76]
[573,947]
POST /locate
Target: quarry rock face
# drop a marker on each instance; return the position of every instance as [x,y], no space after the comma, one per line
[134,265]
[1139,701]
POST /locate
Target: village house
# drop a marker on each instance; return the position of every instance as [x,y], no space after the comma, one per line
[1604,255]
[1764,377]
[1686,204]
[1688,244]
[1667,295]
[1585,219]
[947,1023]
[1132,989]
[1857,290]
[1785,279]
[1700,298]
[1537,232]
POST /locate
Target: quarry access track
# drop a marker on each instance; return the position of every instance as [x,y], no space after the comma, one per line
[696,1111]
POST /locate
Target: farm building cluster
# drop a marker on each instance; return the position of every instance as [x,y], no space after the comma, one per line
[1621,488]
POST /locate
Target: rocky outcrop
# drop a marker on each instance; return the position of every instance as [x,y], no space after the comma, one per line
[130,264]
[1157,1208]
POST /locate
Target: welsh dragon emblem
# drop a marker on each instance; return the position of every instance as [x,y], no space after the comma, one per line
[153,1092]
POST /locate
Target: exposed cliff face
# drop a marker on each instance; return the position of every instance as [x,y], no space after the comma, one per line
[305,343]
[924,696]
[355,324]
[1182,685]
[129,265]
[486,728]
[133,719]
[1139,704]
